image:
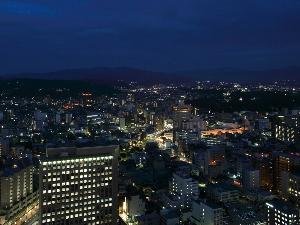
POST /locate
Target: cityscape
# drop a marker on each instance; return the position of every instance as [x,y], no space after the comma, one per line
[150,154]
[160,112]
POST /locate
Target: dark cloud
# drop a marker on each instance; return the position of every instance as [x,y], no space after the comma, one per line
[166,35]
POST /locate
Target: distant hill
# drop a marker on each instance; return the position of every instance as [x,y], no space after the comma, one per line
[103,75]
[40,88]
[107,75]
[239,75]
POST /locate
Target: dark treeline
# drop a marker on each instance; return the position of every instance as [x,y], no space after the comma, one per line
[242,101]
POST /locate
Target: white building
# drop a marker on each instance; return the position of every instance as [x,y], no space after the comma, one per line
[184,188]
[223,193]
[207,213]
[132,208]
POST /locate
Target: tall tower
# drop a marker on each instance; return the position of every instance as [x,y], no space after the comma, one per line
[79,186]
[281,163]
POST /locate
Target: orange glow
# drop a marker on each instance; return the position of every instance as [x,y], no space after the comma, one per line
[237,183]
[217,132]
[68,106]
[213,163]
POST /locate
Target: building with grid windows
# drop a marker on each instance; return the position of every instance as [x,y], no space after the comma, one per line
[183,190]
[79,186]
[282,213]
[207,213]
[18,200]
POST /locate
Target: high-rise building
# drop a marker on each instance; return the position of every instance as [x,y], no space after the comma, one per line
[291,186]
[286,129]
[184,188]
[281,163]
[266,174]
[281,213]
[79,186]
[15,185]
[294,187]
[283,166]
[18,201]
[181,113]
[251,179]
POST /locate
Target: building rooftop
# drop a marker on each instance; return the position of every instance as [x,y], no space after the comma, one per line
[209,203]
[221,187]
[12,166]
[61,152]
[282,206]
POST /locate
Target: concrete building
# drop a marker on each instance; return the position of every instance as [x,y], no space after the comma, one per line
[251,179]
[294,187]
[169,217]
[214,161]
[15,185]
[4,147]
[184,188]
[266,173]
[132,208]
[280,213]
[122,123]
[290,186]
[18,201]
[286,128]
[181,113]
[223,193]
[207,213]
[282,163]
[79,186]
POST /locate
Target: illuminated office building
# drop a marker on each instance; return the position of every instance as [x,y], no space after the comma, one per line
[79,186]
[294,187]
[18,201]
[280,213]
[286,129]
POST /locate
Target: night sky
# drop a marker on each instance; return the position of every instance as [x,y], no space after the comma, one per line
[160,35]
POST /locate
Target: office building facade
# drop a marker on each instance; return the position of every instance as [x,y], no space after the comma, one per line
[79,186]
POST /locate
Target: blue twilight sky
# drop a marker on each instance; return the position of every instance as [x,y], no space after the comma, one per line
[161,35]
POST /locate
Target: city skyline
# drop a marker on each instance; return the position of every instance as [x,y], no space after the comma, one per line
[155,112]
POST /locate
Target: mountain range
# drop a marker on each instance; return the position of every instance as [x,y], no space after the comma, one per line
[126,74]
